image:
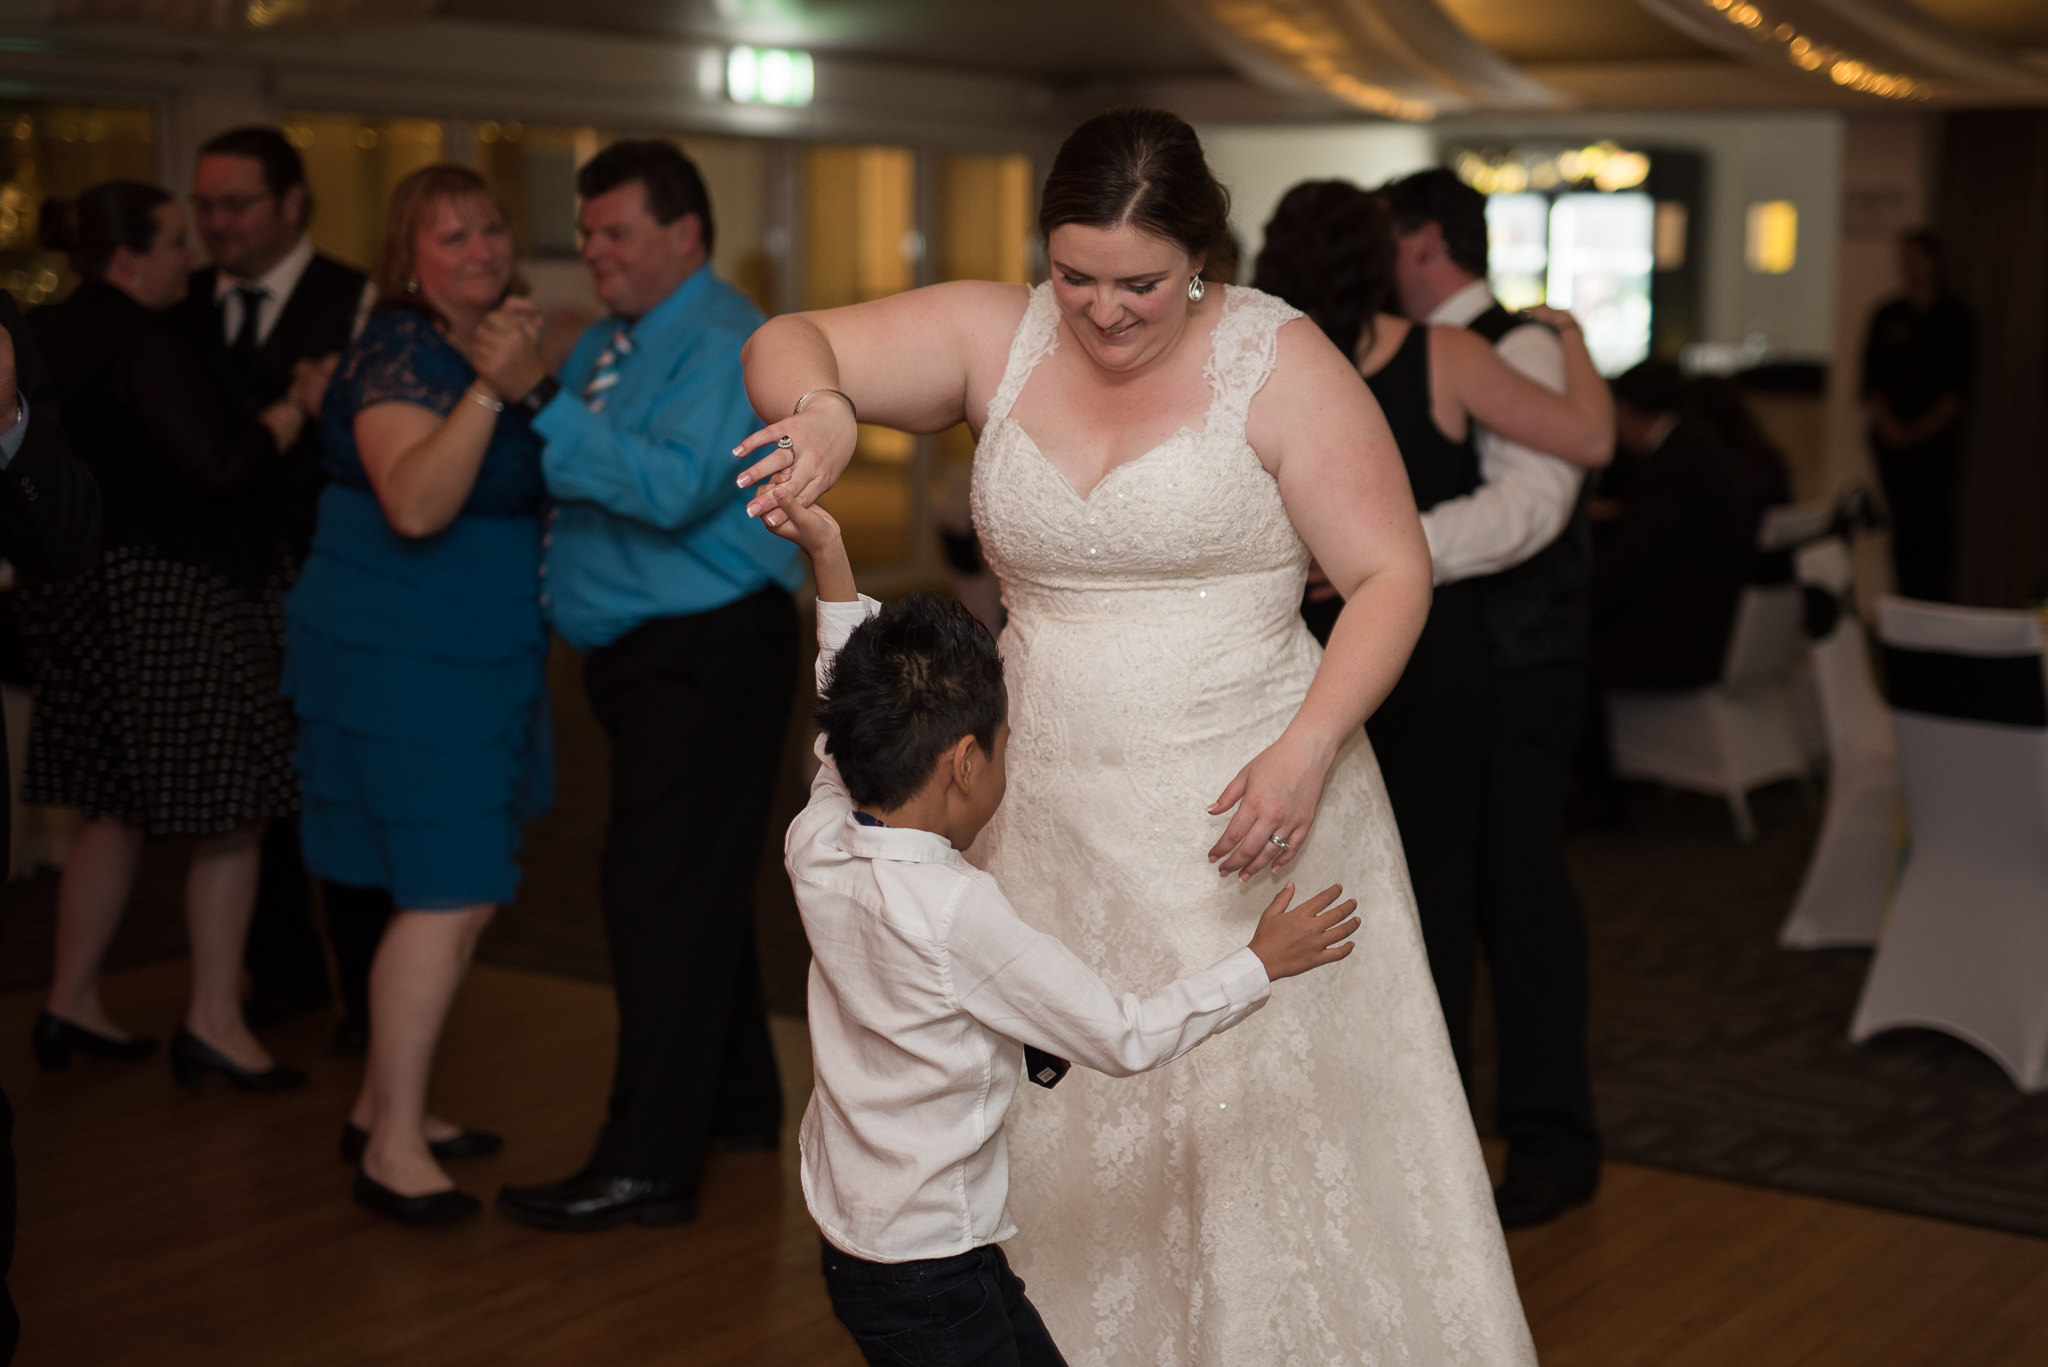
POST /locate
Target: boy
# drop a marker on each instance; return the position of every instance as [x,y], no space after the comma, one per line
[926,987]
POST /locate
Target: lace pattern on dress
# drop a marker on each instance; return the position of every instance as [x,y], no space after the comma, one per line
[391,360]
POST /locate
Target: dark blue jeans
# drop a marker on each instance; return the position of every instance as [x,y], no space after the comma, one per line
[965,1311]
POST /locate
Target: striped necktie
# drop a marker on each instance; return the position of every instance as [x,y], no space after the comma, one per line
[606,374]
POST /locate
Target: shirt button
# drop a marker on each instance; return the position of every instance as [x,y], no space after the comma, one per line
[543,569]
[547,539]
[543,600]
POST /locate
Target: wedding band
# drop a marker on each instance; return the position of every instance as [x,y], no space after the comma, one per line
[1277,841]
[785,442]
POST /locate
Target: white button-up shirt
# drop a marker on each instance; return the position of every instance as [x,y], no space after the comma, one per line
[925,986]
[1526,497]
[277,285]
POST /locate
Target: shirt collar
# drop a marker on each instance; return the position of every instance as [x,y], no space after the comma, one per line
[905,844]
[278,282]
[673,310]
[1461,308]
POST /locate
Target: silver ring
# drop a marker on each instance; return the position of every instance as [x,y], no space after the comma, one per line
[1277,841]
[784,442]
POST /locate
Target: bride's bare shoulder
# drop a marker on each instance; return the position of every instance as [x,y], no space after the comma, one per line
[982,303]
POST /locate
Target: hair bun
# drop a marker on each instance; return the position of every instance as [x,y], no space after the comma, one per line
[57,225]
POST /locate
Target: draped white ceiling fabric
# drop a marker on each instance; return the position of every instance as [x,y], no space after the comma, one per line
[1405,59]
[1887,48]
[244,16]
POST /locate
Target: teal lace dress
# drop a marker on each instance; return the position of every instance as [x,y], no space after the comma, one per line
[417,667]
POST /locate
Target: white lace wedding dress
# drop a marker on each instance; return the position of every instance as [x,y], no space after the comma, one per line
[1306,1189]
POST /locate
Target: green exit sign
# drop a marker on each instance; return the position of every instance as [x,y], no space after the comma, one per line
[768,75]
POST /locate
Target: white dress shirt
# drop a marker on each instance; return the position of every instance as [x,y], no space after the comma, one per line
[924,988]
[277,285]
[1526,496]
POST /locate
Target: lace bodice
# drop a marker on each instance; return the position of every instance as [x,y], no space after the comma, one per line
[1306,1189]
[401,357]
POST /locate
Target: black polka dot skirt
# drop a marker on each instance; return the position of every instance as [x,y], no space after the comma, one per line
[157,697]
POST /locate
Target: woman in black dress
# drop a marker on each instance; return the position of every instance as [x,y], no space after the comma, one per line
[158,711]
[1329,251]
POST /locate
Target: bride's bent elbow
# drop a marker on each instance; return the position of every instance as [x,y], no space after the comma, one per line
[413,522]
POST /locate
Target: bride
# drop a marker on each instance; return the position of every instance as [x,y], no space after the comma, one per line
[1157,461]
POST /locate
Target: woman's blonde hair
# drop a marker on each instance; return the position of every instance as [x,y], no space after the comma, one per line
[413,201]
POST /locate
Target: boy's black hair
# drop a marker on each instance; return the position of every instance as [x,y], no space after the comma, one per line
[905,687]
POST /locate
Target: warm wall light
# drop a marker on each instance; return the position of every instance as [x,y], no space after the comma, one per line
[1772,241]
[1668,237]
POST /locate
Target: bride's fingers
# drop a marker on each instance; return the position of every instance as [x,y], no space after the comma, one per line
[1241,822]
[1249,844]
[1231,793]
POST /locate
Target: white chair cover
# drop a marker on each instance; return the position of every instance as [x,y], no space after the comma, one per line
[1791,525]
[1965,947]
[1855,862]
[1731,736]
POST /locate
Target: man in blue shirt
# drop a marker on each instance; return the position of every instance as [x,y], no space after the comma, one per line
[682,609]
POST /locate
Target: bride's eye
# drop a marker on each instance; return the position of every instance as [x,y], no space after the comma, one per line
[1145,289]
[1074,281]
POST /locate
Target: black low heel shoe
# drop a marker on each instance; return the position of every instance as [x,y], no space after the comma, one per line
[192,1058]
[53,1039]
[435,1208]
[467,1144]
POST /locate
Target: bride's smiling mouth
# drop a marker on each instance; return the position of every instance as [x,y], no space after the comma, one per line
[1118,332]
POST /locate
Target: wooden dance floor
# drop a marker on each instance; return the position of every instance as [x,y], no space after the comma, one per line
[161,1228]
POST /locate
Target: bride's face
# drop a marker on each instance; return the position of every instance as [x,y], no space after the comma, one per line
[1123,292]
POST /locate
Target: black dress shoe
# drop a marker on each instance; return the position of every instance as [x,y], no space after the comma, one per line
[435,1208]
[351,1039]
[192,1058]
[267,1008]
[466,1144]
[591,1200]
[53,1039]
[1523,1202]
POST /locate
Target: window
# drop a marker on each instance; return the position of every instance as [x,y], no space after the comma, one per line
[55,150]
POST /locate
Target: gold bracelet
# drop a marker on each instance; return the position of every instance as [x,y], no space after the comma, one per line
[475,395]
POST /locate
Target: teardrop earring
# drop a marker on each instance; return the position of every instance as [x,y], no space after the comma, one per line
[1196,289]
[412,285]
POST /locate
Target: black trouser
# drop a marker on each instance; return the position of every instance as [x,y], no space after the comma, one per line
[285,959]
[1430,737]
[696,708]
[1920,488]
[1531,928]
[10,1318]
[968,1310]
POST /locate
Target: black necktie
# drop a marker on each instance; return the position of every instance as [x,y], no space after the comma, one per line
[243,349]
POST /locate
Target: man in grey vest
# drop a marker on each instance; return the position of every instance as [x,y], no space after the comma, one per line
[1524,529]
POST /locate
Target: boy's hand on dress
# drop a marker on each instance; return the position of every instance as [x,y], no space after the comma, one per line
[1290,941]
[813,529]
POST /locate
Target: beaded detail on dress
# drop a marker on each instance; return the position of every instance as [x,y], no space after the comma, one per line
[1306,1189]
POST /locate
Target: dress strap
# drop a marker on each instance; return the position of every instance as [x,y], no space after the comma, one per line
[1242,353]
[1038,336]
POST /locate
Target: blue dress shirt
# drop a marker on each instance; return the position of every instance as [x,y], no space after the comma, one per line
[649,521]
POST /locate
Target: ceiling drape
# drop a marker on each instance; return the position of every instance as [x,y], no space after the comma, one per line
[244,16]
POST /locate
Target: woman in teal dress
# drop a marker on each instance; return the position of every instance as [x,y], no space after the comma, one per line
[415,659]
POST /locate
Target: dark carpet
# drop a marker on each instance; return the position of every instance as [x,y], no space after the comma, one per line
[1714,1051]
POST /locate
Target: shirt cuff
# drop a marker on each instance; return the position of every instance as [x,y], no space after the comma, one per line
[10,441]
[836,621]
[1244,978]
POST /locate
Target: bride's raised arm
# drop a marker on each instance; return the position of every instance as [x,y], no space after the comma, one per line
[1318,429]
[911,361]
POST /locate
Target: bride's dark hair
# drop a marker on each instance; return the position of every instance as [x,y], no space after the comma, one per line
[1329,251]
[1142,167]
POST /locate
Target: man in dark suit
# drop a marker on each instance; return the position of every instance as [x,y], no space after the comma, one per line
[270,305]
[1670,566]
[49,529]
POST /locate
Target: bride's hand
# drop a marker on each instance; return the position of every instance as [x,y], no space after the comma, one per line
[821,442]
[1276,794]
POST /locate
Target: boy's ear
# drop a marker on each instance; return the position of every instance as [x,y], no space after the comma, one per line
[965,760]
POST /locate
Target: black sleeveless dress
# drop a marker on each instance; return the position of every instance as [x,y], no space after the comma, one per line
[1431,733]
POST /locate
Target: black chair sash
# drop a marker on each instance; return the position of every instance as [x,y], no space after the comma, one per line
[1995,688]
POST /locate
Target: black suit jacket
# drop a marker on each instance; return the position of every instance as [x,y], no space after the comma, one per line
[1670,569]
[317,319]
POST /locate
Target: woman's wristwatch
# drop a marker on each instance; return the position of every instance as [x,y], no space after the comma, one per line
[539,397]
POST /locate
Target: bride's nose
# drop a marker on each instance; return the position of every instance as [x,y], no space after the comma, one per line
[1103,310]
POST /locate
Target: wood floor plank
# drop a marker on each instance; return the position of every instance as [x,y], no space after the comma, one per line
[165,1229]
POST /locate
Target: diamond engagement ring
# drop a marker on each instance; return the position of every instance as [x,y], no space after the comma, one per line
[1277,841]
[785,442]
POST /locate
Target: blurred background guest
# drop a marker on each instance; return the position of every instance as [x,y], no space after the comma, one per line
[49,529]
[417,659]
[1672,561]
[269,304]
[1329,251]
[158,712]
[1917,365]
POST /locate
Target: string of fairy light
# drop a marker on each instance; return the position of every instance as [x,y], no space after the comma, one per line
[1804,52]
